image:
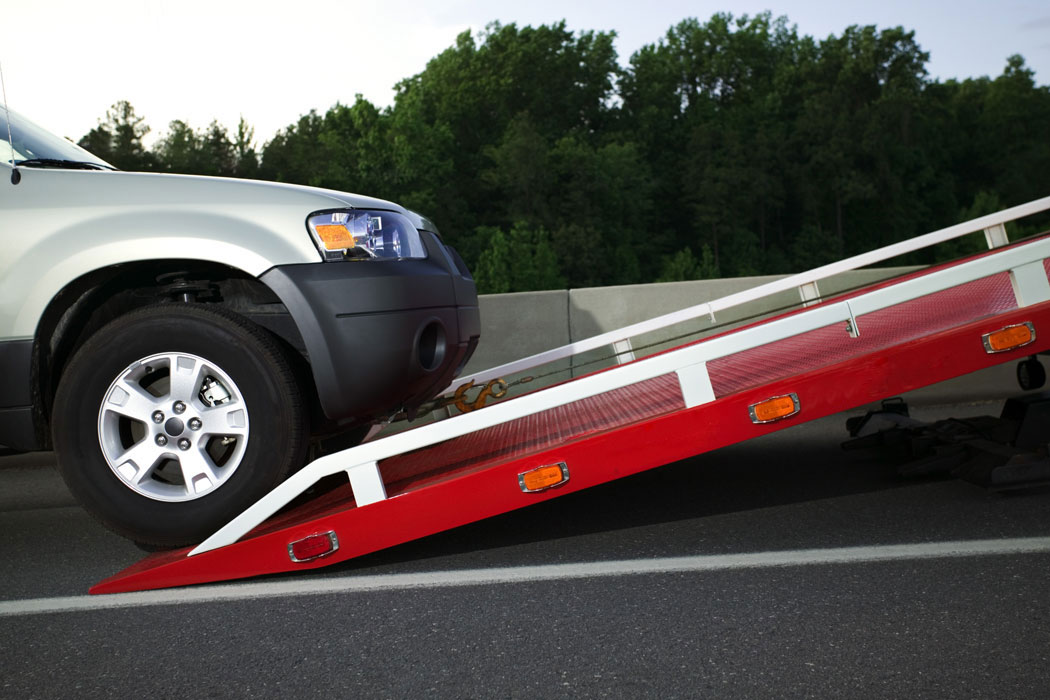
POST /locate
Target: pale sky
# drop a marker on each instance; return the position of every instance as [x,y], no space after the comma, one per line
[66,61]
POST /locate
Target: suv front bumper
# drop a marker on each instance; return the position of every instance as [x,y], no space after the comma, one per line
[381,335]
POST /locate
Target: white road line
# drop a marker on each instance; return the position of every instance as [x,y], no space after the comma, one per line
[304,586]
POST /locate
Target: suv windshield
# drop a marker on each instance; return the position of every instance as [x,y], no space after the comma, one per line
[38,146]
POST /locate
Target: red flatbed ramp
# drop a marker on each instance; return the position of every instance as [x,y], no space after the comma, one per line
[922,338]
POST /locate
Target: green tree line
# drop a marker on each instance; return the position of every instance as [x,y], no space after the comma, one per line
[727,147]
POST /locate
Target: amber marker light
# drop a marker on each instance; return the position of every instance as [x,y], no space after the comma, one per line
[774,409]
[1008,338]
[334,236]
[543,478]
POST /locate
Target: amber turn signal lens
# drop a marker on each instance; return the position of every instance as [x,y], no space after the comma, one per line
[1009,338]
[774,408]
[545,477]
[334,236]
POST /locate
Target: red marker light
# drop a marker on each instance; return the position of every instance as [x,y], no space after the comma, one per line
[313,547]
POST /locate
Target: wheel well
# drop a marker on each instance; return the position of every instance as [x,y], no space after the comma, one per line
[89,302]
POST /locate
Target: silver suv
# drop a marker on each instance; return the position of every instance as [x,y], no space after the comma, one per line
[179,341]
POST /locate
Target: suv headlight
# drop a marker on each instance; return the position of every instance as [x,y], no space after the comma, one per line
[361,234]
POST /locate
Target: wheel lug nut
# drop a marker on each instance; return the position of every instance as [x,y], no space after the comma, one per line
[179,407]
[162,440]
[195,423]
[184,444]
[158,417]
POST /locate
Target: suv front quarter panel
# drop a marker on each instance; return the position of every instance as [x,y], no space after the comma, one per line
[61,224]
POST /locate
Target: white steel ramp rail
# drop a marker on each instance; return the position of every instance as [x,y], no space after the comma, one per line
[993,226]
[373,518]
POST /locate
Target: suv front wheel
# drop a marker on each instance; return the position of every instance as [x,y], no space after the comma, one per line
[172,419]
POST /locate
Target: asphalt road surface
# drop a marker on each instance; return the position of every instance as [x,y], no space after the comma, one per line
[782,567]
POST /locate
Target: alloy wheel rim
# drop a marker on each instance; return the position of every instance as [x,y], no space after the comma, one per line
[173,427]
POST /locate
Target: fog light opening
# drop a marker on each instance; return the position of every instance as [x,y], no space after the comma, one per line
[431,346]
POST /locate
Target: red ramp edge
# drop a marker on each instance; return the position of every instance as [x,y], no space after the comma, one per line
[594,459]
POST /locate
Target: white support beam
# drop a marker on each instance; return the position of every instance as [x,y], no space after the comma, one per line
[367,483]
[1030,283]
[810,293]
[851,324]
[624,351]
[695,383]
[996,236]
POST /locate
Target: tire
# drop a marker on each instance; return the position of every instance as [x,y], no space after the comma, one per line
[168,464]
[1030,374]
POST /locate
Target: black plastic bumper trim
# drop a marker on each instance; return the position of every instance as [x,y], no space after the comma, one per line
[16,428]
[380,313]
[15,368]
[365,325]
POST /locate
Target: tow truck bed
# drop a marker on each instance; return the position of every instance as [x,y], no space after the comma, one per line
[842,352]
